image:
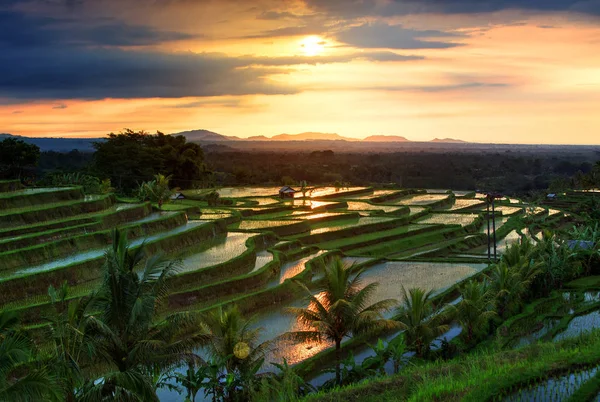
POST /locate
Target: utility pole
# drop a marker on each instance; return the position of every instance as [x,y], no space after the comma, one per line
[491,198]
[487,216]
[494,226]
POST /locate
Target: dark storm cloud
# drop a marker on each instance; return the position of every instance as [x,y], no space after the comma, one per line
[114,73]
[356,8]
[60,58]
[52,73]
[18,29]
[393,37]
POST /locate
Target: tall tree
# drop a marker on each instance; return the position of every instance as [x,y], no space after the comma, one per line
[15,156]
[128,340]
[340,310]
[130,158]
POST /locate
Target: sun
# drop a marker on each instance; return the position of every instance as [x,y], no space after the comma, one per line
[312,45]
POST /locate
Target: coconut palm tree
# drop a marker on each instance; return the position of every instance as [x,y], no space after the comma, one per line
[156,190]
[228,328]
[21,378]
[340,310]
[129,342]
[72,348]
[421,320]
[234,342]
[508,288]
[474,310]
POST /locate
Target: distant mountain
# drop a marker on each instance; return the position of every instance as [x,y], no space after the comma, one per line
[7,135]
[452,140]
[257,138]
[310,136]
[385,138]
[205,135]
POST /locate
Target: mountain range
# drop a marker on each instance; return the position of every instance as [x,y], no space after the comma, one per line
[210,136]
[206,137]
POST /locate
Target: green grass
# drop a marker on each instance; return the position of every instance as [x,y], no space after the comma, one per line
[36,196]
[379,236]
[45,251]
[54,211]
[412,242]
[588,282]
[21,237]
[479,376]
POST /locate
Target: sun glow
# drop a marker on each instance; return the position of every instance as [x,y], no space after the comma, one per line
[312,45]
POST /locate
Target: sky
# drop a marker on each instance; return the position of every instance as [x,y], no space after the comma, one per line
[502,71]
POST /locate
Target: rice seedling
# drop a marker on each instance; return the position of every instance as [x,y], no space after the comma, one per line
[464,203]
[449,219]
[555,389]
[221,250]
[421,199]
[350,224]
[262,224]
[579,325]
[365,206]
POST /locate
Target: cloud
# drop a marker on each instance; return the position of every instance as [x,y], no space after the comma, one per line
[303,30]
[52,58]
[19,29]
[461,84]
[314,60]
[61,106]
[114,73]
[362,8]
[222,103]
[52,73]
[380,35]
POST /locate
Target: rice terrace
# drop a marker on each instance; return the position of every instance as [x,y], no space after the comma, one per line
[256,246]
[299,201]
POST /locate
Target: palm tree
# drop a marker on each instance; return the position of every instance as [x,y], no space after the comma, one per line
[71,346]
[474,310]
[128,340]
[340,310]
[507,287]
[234,342]
[156,190]
[420,319]
[21,378]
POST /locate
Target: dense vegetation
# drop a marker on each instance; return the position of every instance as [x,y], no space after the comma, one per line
[520,173]
[126,322]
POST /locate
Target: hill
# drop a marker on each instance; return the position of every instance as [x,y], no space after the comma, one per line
[311,136]
[449,140]
[385,138]
[205,135]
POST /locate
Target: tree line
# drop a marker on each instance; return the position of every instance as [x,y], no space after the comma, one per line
[130,158]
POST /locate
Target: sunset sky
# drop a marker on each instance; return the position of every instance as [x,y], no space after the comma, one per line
[503,71]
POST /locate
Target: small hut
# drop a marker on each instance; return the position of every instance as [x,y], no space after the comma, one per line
[286,192]
[177,196]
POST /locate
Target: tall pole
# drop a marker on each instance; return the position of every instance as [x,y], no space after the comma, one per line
[488,228]
[494,226]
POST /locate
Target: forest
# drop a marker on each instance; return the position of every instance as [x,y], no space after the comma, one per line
[522,172]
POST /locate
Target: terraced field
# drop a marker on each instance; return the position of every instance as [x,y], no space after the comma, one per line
[248,253]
